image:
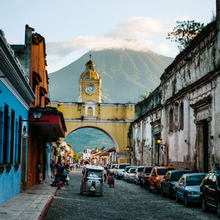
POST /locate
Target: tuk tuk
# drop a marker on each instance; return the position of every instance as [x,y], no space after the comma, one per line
[92,180]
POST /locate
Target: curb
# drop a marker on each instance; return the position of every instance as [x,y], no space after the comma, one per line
[47,206]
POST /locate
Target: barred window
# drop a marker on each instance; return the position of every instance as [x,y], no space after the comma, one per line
[5,136]
[181,120]
[12,135]
[19,139]
[171,120]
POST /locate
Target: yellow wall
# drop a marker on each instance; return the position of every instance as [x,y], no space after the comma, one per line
[110,119]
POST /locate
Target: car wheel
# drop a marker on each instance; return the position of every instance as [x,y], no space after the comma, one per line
[155,189]
[162,193]
[186,202]
[177,198]
[218,209]
[141,184]
[127,180]
[205,208]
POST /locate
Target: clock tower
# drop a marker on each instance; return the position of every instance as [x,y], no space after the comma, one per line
[90,84]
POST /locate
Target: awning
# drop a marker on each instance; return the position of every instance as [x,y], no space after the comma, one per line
[43,91]
[47,100]
[54,128]
[36,78]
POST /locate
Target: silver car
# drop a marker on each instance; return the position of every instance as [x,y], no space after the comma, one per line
[126,171]
[130,175]
[136,176]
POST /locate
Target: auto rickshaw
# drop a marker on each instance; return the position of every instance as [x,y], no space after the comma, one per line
[92,180]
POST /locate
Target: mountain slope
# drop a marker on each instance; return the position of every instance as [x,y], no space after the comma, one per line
[125,75]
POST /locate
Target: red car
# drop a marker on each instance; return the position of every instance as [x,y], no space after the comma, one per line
[144,177]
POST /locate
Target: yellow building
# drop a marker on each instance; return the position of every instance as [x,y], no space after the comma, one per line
[90,112]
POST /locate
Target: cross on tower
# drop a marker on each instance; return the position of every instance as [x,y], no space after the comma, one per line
[90,56]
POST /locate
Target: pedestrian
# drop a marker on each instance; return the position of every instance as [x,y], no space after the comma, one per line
[195,169]
[65,174]
[40,176]
[111,180]
[59,168]
[52,167]
[105,175]
[217,168]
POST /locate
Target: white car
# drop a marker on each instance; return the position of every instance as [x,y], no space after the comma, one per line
[120,170]
[111,170]
[126,171]
[137,171]
[130,175]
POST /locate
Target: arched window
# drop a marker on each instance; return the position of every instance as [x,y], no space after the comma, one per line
[171,120]
[181,118]
[176,118]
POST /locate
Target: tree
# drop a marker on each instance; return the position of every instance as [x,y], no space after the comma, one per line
[142,96]
[184,33]
[76,157]
[103,148]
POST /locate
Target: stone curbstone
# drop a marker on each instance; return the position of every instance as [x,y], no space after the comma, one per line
[44,212]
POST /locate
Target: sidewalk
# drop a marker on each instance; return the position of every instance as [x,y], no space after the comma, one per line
[31,204]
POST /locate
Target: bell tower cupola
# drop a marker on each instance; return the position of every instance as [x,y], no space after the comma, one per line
[90,84]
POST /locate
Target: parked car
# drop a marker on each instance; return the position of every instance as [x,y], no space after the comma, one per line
[130,175]
[112,167]
[156,176]
[144,177]
[210,192]
[120,170]
[188,188]
[115,169]
[169,181]
[126,171]
[138,170]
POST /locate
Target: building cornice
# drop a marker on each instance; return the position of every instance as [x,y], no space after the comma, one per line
[12,70]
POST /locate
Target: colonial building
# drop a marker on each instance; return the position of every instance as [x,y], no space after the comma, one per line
[186,116]
[90,112]
[50,124]
[15,98]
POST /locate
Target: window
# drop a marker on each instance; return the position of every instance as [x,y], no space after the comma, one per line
[19,139]
[5,138]
[12,135]
[1,132]
[181,120]
[171,120]
[176,113]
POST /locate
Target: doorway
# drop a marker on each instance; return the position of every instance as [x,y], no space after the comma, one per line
[205,147]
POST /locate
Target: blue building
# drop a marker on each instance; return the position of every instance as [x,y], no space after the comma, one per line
[15,98]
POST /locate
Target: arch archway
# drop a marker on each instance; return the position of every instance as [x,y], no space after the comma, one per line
[98,128]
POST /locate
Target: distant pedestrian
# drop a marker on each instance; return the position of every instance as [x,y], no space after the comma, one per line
[217,168]
[195,169]
[111,180]
[52,167]
[105,175]
[59,167]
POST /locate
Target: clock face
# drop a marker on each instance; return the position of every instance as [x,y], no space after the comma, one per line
[90,89]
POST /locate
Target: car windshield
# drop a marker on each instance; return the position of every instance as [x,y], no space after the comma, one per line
[113,166]
[176,176]
[122,166]
[94,173]
[148,170]
[132,170]
[140,169]
[194,180]
[162,171]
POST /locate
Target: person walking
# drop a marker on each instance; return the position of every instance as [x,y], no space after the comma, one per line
[52,168]
[217,168]
[105,175]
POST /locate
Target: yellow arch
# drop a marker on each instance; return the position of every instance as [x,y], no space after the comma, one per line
[98,128]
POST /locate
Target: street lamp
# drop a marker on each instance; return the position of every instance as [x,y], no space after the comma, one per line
[37,113]
[159,143]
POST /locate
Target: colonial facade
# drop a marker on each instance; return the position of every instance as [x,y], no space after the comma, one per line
[51,125]
[15,98]
[184,110]
[90,112]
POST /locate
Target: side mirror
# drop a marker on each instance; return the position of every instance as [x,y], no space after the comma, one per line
[181,184]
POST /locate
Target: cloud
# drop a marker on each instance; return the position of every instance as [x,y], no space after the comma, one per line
[137,28]
[136,34]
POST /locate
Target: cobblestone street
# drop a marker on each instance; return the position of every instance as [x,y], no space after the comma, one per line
[125,201]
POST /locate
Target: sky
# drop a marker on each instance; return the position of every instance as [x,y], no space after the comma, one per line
[73,27]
